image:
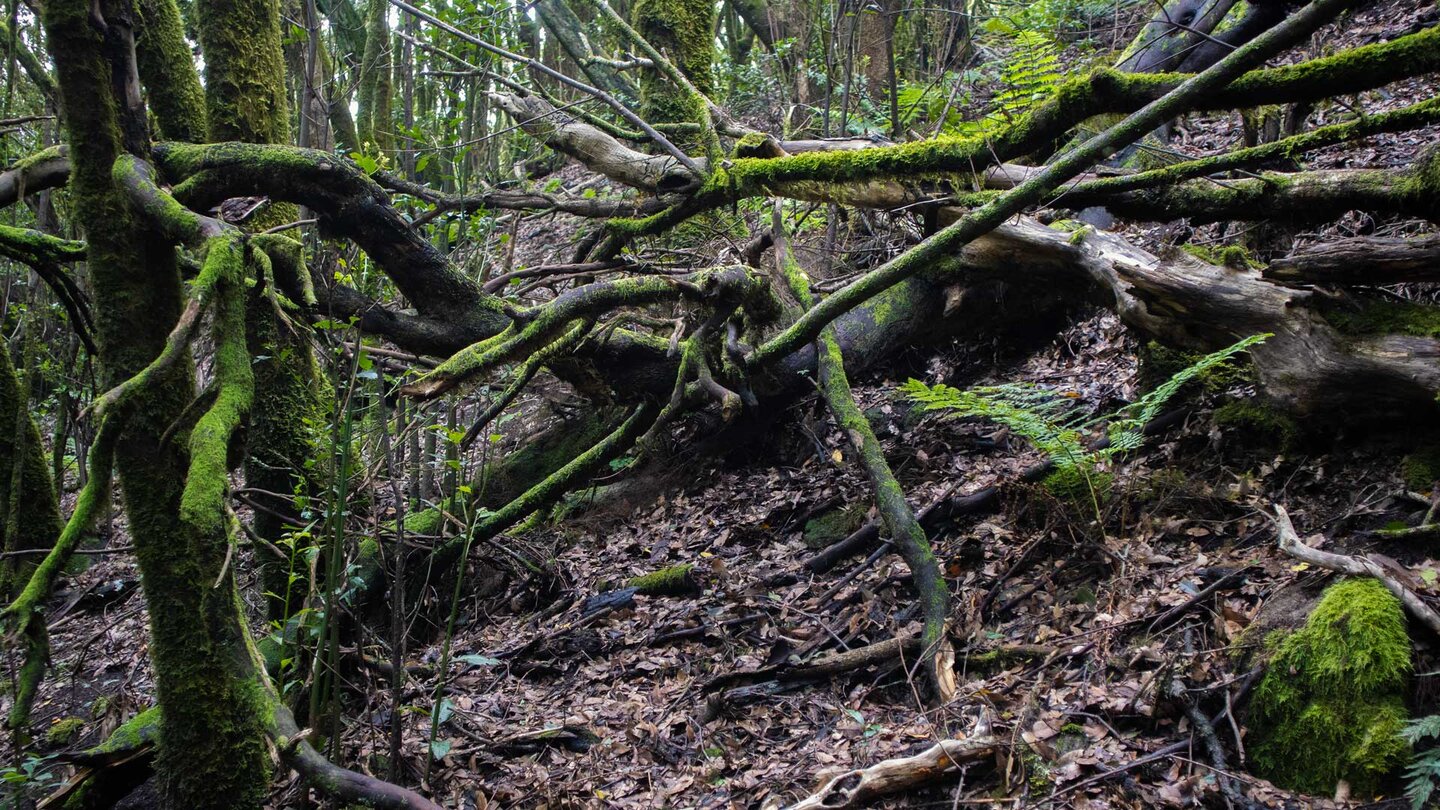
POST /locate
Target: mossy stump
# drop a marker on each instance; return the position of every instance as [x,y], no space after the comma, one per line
[1332,702]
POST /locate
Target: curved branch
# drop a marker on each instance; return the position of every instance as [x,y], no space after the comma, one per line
[349,205]
[49,168]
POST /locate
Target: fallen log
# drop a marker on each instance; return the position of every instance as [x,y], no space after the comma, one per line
[1361,260]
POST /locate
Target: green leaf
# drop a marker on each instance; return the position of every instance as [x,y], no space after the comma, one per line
[478,660]
[439,748]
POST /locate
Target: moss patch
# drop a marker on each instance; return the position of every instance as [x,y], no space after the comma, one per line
[831,527]
[1421,469]
[677,580]
[1233,256]
[1331,704]
[1387,318]
[1258,422]
[63,732]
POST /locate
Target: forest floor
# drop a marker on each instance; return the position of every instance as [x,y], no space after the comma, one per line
[1064,621]
[1079,683]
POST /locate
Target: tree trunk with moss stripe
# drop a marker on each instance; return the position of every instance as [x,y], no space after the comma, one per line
[29,514]
[212,752]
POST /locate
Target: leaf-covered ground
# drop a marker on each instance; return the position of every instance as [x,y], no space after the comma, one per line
[1070,641]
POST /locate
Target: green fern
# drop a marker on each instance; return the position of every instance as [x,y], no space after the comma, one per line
[1424,770]
[1031,74]
[1043,417]
[1052,422]
[1126,425]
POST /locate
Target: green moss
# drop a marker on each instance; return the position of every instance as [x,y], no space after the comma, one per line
[63,732]
[137,731]
[167,68]
[833,526]
[245,91]
[1260,422]
[1331,703]
[677,580]
[1421,469]
[1387,317]
[1233,256]
[214,752]
[682,30]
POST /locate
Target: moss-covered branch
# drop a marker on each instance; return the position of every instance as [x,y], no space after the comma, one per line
[1105,91]
[518,380]
[1404,119]
[937,653]
[167,68]
[1300,197]
[989,216]
[349,205]
[543,324]
[202,504]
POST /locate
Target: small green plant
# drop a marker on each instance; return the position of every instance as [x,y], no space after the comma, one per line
[26,780]
[1050,421]
[1424,769]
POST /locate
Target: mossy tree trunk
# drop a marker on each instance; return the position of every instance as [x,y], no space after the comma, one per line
[682,31]
[245,94]
[29,514]
[289,408]
[212,752]
[376,81]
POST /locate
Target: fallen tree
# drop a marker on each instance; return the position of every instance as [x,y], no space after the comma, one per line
[734,340]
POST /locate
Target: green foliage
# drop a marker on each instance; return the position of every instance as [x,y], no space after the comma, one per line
[1331,704]
[1421,469]
[1050,421]
[1424,769]
[1032,73]
[26,780]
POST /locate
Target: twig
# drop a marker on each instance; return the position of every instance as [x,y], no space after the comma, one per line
[1356,566]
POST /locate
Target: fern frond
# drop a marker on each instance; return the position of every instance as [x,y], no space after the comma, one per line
[1421,728]
[1141,412]
[1052,422]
